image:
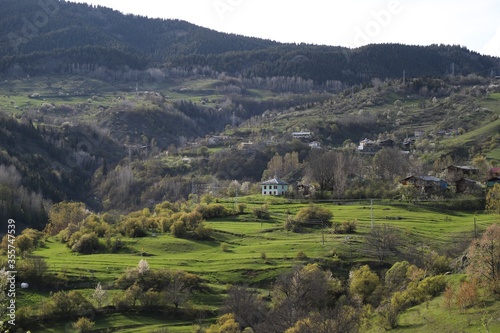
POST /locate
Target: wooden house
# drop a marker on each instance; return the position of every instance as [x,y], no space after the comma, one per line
[427,184]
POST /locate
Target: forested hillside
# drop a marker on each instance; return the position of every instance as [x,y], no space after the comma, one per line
[47,37]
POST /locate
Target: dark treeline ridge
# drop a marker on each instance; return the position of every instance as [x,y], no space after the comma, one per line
[50,36]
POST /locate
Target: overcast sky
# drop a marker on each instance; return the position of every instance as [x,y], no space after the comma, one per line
[352,23]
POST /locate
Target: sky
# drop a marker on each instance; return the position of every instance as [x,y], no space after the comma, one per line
[351,23]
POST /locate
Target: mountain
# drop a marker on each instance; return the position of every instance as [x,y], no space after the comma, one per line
[50,36]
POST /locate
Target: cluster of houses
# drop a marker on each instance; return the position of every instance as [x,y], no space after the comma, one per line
[369,146]
[457,177]
[461,178]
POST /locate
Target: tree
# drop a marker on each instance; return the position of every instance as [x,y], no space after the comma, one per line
[244,303]
[493,199]
[363,282]
[177,291]
[63,214]
[382,241]
[390,163]
[484,258]
[319,166]
[142,267]
[99,295]
[467,295]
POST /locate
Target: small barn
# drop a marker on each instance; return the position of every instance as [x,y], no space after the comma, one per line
[468,186]
[427,184]
[455,172]
[274,186]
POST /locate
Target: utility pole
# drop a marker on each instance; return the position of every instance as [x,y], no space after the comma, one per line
[404,77]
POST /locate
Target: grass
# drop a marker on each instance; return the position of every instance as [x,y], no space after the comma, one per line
[257,252]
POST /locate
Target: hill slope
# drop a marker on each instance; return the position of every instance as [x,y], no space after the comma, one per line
[56,36]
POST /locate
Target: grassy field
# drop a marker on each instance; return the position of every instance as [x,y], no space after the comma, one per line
[256,252]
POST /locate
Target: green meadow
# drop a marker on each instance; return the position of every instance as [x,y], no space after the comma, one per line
[245,250]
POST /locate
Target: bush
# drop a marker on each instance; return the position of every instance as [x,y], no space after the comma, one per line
[241,208]
[292,225]
[224,247]
[68,304]
[133,228]
[262,212]
[212,211]
[346,227]
[313,212]
[83,325]
[301,255]
[178,229]
[86,244]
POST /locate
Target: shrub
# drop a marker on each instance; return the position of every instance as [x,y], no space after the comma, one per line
[313,212]
[262,212]
[346,227]
[292,225]
[133,228]
[301,255]
[203,232]
[224,247]
[178,229]
[86,244]
[68,304]
[241,208]
[83,325]
[212,211]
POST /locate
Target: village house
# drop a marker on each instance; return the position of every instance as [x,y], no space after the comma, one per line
[455,172]
[468,186]
[274,186]
[302,135]
[315,145]
[427,184]
[245,145]
[367,145]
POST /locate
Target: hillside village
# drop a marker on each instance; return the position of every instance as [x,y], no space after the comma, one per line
[157,176]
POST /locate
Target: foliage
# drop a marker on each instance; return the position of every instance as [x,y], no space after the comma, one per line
[69,304]
[84,243]
[314,212]
[484,258]
[382,241]
[225,324]
[212,211]
[83,325]
[262,212]
[99,295]
[363,282]
[493,199]
[467,295]
[64,214]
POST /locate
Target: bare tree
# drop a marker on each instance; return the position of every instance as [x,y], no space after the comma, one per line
[389,163]
[177,291]
[319,166]
[245,304]
[382,242]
